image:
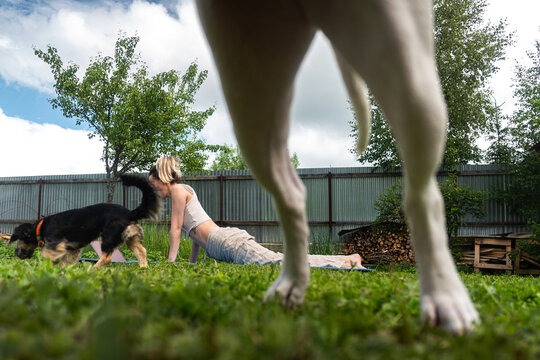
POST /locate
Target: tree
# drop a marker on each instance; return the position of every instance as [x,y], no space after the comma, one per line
[526,119]
[229,158]
[523,191]
[382,149]
[138,117]
[501,150]
[467,50]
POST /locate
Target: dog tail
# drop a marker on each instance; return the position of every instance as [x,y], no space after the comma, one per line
[357,89]
[150,204]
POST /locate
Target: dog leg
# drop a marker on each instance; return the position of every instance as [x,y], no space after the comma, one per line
[56,254]
[104,259]
[258,48]
[132,236]
[140,252]
[111,238]
[395,57]
[71,257]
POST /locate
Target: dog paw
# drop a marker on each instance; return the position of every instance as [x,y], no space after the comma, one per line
[289,291]
[453,310]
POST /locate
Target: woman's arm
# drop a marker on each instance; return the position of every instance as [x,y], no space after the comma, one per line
[178,198]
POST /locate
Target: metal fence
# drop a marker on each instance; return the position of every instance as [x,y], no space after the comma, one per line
[338,199]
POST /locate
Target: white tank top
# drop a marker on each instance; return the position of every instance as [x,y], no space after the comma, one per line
[194,214]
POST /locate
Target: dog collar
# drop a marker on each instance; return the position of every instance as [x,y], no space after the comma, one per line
[38,233]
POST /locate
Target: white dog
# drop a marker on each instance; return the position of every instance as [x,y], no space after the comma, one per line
[258,47]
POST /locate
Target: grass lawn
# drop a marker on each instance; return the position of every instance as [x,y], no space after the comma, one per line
[214,310]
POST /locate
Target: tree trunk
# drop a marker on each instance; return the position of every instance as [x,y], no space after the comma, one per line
[111,185]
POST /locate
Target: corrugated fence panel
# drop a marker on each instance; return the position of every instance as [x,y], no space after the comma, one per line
[208,192]
[317,200]
[19,201]
[234,198]
[354,198]
[245,200]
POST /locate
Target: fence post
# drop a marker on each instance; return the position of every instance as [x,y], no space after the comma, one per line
[124,195]
[39,198]
[330,220]
[220,200]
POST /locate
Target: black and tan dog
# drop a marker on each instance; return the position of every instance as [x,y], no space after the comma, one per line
[64,235]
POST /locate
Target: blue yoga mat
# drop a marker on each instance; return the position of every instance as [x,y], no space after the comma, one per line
[157,262]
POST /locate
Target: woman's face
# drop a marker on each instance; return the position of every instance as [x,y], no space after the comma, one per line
[161,189]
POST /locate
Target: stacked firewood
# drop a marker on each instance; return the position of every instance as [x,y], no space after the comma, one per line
[382,243]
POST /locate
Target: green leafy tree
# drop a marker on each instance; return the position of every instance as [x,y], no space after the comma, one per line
[467,49]
[526,119]
[382,149]
[138,117]
[501,150]
[229,158]
[523,190]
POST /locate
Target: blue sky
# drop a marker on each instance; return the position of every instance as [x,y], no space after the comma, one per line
[29,103]
[171,38]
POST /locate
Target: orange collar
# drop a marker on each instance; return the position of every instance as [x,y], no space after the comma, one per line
[38,233]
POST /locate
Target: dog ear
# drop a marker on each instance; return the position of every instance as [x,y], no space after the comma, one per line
[13,238]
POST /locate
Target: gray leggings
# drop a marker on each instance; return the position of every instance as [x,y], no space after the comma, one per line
[238,246]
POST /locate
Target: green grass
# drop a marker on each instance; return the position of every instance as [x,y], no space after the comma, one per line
[323,245]
[214,310]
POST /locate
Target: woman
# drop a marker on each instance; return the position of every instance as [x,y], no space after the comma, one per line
[221,243]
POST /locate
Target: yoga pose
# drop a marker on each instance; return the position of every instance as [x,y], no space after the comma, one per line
[221,243]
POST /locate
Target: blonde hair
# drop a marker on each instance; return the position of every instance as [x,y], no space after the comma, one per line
[167,169]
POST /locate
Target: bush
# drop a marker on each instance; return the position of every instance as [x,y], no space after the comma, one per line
[459,201]
[388,205]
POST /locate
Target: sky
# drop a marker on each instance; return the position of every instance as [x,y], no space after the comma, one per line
[39,140]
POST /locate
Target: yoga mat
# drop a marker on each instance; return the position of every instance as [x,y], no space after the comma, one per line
[157,262]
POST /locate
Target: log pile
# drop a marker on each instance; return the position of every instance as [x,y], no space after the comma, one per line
[382,243]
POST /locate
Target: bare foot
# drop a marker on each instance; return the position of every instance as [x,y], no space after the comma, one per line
[353,261]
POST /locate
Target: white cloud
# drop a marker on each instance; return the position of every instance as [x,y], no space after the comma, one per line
[522,18]
[29,148]
[320,115]
[80,31]
[317,148]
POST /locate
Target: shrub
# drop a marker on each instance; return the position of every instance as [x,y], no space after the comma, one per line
[388,205]
[459,201]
